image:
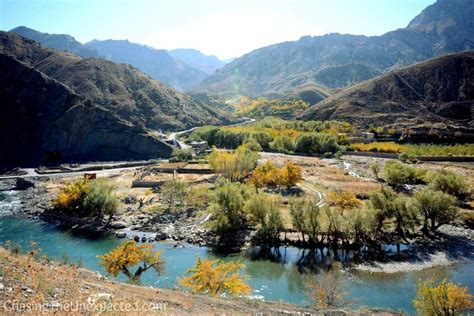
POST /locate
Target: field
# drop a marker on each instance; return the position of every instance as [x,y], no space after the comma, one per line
[416,149]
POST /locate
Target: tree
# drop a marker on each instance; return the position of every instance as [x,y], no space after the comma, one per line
[343,199]
[236,165]
[449,182]
[71,196]
[265,174]
[227,206]
[215,278]
[128,255]
[375,168]
[445,299]
[390,205]
[435,207]
[100,199]
[264,211]
[326,290]
[282,144]
[305,216]
[397,174]
[175,194]
[289,175]
[316,143]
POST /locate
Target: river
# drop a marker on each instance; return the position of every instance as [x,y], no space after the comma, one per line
[277,279]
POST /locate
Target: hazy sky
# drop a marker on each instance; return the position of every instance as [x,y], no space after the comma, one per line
[226,28]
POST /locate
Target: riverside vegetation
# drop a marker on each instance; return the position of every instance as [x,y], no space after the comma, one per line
[249,200]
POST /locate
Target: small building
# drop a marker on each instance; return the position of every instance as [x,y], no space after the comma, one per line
[199,146]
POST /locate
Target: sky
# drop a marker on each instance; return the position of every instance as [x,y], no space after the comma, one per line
[225,28]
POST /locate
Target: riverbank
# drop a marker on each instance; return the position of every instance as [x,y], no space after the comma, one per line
[27,283]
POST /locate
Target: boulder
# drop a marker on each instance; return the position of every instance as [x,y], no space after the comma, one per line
[144,239]
[136,238]
[118,225]
[120,234]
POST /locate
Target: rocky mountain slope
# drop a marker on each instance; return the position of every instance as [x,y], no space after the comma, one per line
[59,106]
[336,60]
[194,58]
[158,63]
[57,41]
[437,93]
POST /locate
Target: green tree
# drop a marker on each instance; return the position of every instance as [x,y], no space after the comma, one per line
[264,212]
[174,194]
[436,208]
[282,144]
[227,206]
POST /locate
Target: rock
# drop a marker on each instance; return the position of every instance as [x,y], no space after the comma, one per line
[118,225]
[129,199]
[136,238]
[151,238]
[161,236]
[143,239]
[23,184]
[120,234]
[2,286]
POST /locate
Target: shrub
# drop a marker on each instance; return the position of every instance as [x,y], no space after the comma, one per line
[215,278]
[85,198]
[100,199]
[436,208]
[447,181]
[326,290]
[182,154]
[253,145]
[441,300]
[306,217]
[397,174]
[265,174]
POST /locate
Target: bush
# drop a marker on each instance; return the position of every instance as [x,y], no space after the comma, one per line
[86,198]
[234,166]
[182,154]
[397,174]
[289,175]
[100,199]
[435,208]
[175,194]
[447,181]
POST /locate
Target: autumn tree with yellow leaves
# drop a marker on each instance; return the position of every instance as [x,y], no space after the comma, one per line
[128,255]
[444,299]
[215,278]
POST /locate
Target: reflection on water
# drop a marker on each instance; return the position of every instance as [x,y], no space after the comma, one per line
[275,274]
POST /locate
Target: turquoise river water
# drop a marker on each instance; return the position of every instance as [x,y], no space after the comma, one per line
[276,278]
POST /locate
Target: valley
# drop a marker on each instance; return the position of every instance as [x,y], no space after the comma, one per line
[329,175]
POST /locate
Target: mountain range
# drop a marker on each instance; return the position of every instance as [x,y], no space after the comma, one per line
[182,69]
[436,94]
[57,104]
[341,60]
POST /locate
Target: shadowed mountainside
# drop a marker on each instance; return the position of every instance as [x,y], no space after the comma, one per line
[437,93]
[59,105]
